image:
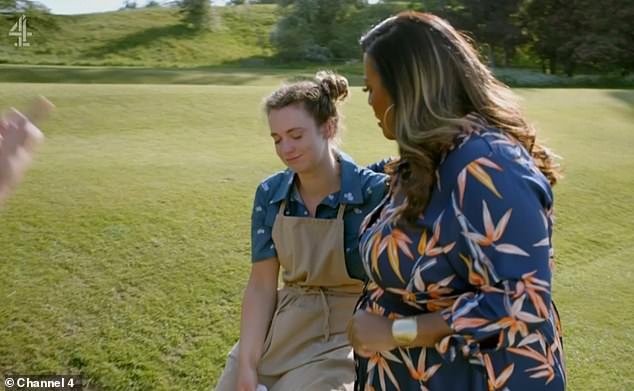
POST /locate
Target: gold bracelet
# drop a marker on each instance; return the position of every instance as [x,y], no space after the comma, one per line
[405,331]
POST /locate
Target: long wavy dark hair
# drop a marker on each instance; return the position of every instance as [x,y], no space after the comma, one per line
[436,79]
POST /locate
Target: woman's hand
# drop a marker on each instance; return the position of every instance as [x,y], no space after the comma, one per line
[247,379]
[370,333]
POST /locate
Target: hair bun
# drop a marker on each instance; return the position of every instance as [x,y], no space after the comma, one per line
[335,86]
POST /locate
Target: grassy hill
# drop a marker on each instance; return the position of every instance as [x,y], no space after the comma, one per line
[149,37]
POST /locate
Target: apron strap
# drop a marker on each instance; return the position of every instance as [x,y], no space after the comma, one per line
[282,207]
[326,308]
[342,208]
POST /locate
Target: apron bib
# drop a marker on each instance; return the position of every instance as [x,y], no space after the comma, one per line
[318,297]
[306,347]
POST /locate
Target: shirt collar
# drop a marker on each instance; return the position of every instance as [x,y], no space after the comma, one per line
[284,188]
[350,193]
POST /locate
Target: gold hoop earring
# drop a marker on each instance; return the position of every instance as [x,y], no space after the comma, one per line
[390,107]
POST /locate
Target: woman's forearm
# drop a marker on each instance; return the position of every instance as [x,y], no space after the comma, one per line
[257,311]
[431,329]
[258,305]
[370,332]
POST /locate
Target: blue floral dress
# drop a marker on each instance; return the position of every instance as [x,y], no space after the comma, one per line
[481,254]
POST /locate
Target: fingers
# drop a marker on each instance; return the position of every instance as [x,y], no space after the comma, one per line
[365,353]
[19,132]
[356,345]
[39,109]
[24,125]
[18,139]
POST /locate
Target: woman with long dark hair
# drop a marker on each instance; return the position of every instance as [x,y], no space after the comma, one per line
[459,256]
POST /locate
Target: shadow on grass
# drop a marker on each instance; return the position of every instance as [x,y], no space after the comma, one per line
[234,73]
[254,71]
[626,96]
[119,75]
[352,70]
[142,38]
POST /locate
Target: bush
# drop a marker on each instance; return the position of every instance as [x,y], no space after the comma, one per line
[197,13]
[316,53]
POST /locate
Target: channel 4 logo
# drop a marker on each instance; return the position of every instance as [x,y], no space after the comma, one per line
[20,30]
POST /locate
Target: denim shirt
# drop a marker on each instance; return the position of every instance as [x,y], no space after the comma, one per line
[361,190]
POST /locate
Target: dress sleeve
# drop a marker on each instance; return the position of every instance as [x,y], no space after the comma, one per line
[380,165]
[374,190]
[262,246]
[499,220]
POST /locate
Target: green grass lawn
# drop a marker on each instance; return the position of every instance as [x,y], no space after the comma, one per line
[124,253]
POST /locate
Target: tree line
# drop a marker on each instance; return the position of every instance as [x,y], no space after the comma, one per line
[560,36]
[557,35]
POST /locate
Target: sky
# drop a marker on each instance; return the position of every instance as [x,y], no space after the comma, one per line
[71,7]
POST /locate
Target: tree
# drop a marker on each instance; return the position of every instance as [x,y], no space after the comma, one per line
[624,14]
[196,13]
[129,4]
[12,6]
[550,29]
[494,23]
[39,16]
[582,33]
[308,28]
[240,2]
[22,6]
[605,41]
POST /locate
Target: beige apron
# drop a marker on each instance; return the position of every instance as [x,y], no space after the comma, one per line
[306,347]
